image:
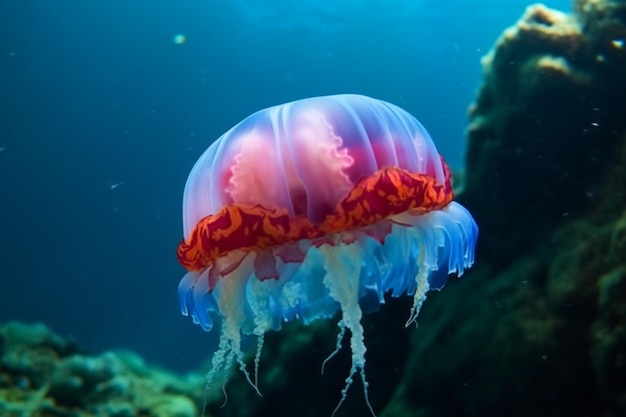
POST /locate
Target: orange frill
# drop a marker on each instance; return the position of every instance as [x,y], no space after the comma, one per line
[389,191]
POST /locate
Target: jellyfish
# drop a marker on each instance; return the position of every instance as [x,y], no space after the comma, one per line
[316,207]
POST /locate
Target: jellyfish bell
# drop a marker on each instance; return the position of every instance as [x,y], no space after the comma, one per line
[315,207]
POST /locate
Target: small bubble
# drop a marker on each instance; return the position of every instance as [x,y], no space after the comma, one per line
[180,38]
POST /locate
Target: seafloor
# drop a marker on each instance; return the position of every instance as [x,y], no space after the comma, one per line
[537,328]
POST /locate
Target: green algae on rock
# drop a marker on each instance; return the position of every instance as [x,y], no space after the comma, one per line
[42,374]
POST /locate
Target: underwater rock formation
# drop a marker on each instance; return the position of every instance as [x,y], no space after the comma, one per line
[41,374]
[545,123]
[538,328]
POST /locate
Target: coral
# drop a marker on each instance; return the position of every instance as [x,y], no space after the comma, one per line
[41,374]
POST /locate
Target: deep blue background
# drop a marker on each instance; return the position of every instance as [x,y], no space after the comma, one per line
[96,93]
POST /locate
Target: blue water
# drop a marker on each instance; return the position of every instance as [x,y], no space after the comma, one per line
[103,114]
